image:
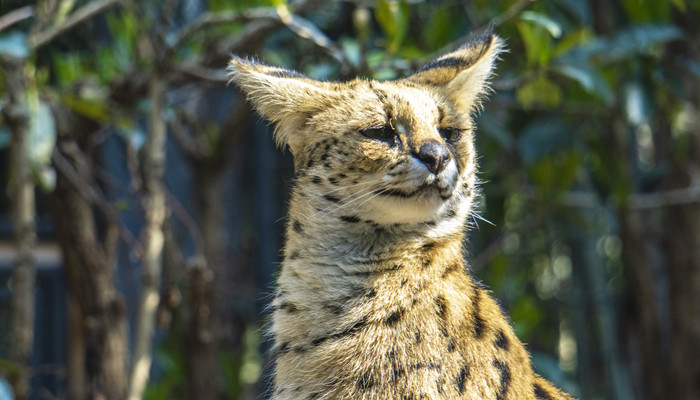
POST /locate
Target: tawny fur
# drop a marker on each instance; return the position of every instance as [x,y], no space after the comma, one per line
[374,298]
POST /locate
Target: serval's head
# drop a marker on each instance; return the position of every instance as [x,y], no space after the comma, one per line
[391,152]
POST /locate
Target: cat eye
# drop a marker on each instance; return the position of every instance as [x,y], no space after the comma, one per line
[450,134]
[384,133]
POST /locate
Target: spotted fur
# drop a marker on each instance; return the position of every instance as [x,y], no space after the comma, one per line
[374,299]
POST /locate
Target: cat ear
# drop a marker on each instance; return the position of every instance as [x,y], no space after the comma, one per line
[462,76]
[284,97]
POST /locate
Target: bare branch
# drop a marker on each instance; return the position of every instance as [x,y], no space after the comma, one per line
[80,181]
[506,16]
[219,76]
[300,26]
[153,201]
[16,16]
[510,13]
[85,12]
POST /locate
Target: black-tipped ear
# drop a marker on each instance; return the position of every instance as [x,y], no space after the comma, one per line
[462,75]
[284,97]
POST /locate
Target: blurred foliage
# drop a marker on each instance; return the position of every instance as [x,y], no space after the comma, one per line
[543,135]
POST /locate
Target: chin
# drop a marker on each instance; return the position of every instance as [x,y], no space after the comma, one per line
[415,210]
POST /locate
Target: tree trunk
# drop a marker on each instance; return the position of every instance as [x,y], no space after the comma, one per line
[204,318]
[153,202]
[21,191]
[681,241]
[88,261]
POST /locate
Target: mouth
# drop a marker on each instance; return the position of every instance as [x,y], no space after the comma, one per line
[424,190]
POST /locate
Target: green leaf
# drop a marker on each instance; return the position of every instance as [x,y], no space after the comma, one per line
[626,44]
[94,109]
[647,10]
[14,44]
[573,39]
[539,91]
[437,30]
[588,77]
[537,42]
[393,16]
[544,21]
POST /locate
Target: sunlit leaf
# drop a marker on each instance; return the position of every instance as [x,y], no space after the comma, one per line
[537,42]
[573,39]
[94,109]
[392,16]
[544,21]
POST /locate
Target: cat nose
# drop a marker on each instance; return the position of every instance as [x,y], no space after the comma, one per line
[434,155]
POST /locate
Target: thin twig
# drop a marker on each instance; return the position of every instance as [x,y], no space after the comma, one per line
[501,19]
[80,182]
[16,16]
[511,13]
[298,25]
[85,12]
[219,76]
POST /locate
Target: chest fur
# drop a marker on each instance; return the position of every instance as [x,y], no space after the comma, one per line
[410,326]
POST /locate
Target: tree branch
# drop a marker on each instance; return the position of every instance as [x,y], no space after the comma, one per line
[298,25]
[85,12]
[16,16]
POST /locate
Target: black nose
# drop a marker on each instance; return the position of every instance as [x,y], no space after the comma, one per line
[434,155]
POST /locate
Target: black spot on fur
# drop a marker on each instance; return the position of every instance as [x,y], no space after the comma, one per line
[540,393]
[330,198]
[371,293]
[428,246]
[501,340]
[439,383]
[461,378]
[451,345]
[289,307]
[441,306]
[296,225]
[366,381]
[418,336]
[479,323]
[394,317]
[450,269]
[350,218]
[427,365]
[351,330]
[283,348]
[316,180]
[431,223]
[504,370]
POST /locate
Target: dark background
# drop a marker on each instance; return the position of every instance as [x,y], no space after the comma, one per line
[588,231]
